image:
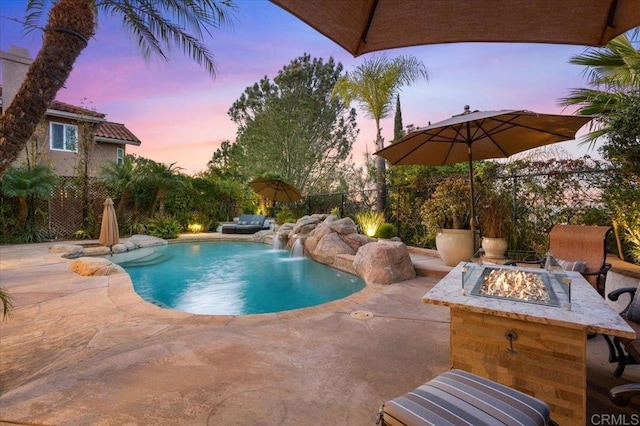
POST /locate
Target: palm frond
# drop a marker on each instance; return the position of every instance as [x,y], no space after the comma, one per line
[157,26]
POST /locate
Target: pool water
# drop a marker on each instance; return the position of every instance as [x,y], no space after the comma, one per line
[233,278]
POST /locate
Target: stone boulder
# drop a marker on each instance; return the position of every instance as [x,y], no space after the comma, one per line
[305,225]
[146,241]
[95,266]
[96,251]
[343,226]
[384,262]
[68,251]
[333,237]
[328,247]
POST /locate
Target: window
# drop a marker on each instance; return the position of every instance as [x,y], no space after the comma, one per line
[119,156]
[64,137]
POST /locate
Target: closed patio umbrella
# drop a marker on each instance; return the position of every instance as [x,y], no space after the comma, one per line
[481,135]
[362,26]
[109,234]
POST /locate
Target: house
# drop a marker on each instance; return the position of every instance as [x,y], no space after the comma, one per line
[69,135]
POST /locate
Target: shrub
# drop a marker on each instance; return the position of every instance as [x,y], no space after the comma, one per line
[386,230]
[448,207]
[285,215]
[165,227]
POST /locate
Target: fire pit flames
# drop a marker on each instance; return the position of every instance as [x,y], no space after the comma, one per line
[515,285]
[523,286]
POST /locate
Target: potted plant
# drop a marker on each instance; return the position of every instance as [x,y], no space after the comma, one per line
[495,219]
[446,215]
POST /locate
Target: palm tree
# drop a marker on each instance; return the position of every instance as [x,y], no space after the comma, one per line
[374,85]
[156,24]
[27,185]
[613,72]
[122,177]
[162,178]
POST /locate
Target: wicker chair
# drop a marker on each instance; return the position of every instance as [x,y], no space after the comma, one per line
[580,248]
[622,350]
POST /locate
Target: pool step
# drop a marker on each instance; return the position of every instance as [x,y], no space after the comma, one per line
[149,260]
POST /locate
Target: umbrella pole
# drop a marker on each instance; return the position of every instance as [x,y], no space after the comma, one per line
[472,222]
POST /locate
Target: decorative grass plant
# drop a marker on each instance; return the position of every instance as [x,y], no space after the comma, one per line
[369,222]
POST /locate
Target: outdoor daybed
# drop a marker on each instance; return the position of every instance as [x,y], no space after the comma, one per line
[246,224]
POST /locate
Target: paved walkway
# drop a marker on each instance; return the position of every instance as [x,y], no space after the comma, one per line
[87,350]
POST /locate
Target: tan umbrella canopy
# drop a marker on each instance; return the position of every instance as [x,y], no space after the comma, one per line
[275,189]
[109,234]
[362,26]
[481,135]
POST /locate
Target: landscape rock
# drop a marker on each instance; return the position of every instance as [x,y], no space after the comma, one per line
[343,226]
[384,262]
[328,247]
[69,251]
[95,266]
[96,251]
[146,241]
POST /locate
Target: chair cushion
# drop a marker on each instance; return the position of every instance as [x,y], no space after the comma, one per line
[458,397]
[570,265]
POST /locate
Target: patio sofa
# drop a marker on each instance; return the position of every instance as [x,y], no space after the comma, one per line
[246,224]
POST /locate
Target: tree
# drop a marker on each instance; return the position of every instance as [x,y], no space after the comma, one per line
[161,178]
[292,126]
[623,192]
[27,185]
[373,85]
[613,72]
[122,178]
[398,130]
[71,23]
[224,162]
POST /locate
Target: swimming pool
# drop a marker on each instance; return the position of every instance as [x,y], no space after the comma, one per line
[233,278]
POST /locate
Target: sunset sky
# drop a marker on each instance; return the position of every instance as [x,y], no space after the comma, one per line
[180,113]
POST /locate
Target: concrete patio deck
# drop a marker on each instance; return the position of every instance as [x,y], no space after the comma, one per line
[88,350]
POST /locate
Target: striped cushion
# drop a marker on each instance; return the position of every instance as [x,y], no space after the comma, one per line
[569,265]
[458,398]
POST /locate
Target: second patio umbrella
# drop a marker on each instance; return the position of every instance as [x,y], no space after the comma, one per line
[109,233]
[481,135]
[275,189]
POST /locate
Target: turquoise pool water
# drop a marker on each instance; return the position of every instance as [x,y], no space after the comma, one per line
[233,278]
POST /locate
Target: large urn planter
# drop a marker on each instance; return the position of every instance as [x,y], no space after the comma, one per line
[454,245]
[494,248]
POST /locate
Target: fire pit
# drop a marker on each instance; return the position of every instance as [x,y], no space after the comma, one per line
[523,286]
[534,346]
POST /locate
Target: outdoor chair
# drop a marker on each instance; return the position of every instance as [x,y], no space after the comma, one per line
[580,248]
[626,351]
[620,395]
[459,397]
[246,224]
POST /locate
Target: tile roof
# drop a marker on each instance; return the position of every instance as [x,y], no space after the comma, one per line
[61,106]
[107,131]
[115,132]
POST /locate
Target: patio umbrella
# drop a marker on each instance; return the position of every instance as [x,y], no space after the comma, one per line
[275,189]
[109,234]
[481,135]
[362,26]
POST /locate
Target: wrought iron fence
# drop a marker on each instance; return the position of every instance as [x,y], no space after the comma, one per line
[539,201]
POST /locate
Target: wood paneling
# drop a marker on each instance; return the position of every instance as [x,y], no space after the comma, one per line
[549,361]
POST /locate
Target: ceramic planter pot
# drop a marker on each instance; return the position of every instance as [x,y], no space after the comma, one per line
[454,245]
[494,248]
